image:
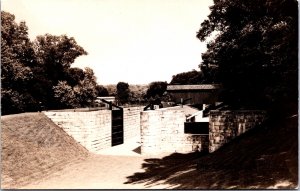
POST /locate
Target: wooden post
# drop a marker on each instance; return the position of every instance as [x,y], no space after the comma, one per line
[110,105]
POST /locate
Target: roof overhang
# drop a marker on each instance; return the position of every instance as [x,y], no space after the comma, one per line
[193,87]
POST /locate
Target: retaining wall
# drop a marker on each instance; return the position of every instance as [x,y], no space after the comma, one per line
[132,118]
[91,129]
[226,125]
[162,131]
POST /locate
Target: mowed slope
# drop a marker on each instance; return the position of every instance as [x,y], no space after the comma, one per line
[33,147]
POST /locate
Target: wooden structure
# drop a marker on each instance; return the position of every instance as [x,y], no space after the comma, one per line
[107,100]
[117,127]
[117,123]
[194,94]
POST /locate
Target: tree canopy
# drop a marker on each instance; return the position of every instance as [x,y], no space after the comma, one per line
[17,59]
[101,91]
[39,72]
[56,53]
[137,93]
[191,77]
[156,89]
[253,52]
[82,94]
[123,92]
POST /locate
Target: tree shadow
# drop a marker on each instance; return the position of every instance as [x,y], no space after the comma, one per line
[157,169]
[264,157]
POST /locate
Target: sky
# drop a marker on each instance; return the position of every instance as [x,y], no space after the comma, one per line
[134,41]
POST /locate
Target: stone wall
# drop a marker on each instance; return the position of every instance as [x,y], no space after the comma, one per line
[131,123]
[91,129]
[225,125]
[162,131]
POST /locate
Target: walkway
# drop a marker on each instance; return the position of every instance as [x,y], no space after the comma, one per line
[131,148]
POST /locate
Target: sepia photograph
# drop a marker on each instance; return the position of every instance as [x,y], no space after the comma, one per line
[149,94]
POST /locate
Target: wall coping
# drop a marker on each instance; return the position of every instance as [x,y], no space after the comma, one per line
[90,109]
[176,108]
[77,110]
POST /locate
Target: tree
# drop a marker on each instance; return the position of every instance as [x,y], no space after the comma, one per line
[66,95]
[191,77]
[112,89]
[137,93]
[254,53]
[156,89]
[39,73]
[123,92]
[55,53]
[15,36]
[86,89]
[74,76]
[82,94]
[17,58]
[101,91]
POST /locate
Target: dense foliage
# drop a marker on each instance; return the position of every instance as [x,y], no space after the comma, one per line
[137,94]
[16,66]
[254,51]
[82,94]
[39,74]
[123,92]
[156,89]
[101,91]
[191,77]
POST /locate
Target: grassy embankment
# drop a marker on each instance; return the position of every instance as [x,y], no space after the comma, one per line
[33,147]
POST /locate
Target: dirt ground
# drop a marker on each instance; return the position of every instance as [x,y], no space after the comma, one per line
[96,172]
[108,170]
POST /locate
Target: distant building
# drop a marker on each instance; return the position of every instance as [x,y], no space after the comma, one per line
[194,94]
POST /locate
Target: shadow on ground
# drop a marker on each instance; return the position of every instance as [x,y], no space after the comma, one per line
[157,169]
[264,157]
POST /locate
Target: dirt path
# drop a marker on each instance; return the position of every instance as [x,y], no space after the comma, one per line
[107,170]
